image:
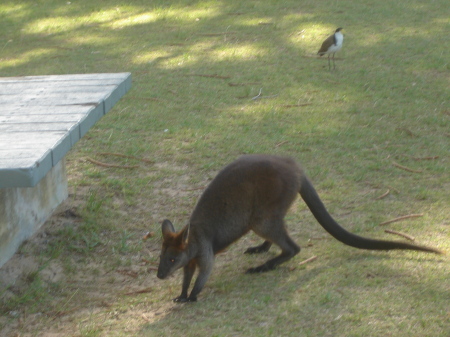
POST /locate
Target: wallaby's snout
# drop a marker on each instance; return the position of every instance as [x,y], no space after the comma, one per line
[161,275]
[163,271]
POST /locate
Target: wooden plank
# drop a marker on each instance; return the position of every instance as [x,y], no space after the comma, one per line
[42,117]
[24,110]
[113,77]
[36,127]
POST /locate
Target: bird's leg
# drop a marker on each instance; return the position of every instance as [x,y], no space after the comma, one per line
[334,62]
[329,64]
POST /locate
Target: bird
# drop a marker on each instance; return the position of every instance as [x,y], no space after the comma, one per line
[331,45]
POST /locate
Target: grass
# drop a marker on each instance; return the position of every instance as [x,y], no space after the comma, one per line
[196,66]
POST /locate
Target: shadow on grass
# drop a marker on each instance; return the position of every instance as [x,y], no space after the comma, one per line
[283,301]
[197,65]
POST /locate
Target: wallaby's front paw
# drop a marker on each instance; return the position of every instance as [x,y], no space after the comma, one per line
[180,299]
[183,299]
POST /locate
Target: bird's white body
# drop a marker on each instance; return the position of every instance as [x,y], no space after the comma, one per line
[337,45]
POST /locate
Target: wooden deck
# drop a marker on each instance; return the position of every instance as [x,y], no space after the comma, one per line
[42,117]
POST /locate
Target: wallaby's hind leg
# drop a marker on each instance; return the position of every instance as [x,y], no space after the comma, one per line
[276,232]
[264,247]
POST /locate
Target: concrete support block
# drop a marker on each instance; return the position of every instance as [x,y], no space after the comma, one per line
[24,209]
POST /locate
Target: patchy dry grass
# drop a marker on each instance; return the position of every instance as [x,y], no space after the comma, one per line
[196,66]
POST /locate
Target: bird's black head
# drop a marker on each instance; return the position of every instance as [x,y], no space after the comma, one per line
[339,29]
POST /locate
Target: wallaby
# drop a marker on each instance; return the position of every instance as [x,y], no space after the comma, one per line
[252,193]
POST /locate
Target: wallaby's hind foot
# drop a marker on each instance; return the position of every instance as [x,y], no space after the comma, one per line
[273,263]
[264,247]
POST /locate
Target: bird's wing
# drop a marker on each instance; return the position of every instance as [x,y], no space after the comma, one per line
[326,44]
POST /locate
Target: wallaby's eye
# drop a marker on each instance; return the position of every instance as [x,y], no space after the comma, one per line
[172,260]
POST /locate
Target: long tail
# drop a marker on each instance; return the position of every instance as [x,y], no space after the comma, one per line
[312,200]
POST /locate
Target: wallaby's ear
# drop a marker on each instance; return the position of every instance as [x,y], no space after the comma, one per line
[167,228]
[186,234]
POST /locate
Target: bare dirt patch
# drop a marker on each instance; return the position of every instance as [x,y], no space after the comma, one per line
[62,282]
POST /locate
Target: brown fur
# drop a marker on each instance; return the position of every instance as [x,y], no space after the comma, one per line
[252,193]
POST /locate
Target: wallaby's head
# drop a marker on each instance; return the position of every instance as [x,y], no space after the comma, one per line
[173,253]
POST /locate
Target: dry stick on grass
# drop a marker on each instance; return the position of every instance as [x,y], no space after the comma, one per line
[308,260]
[281,143]
[406,168]
[259,95]
[216,34]
[59,314]
[425,158]
[315,56]
[210,76]
[99,163]
[406,236]
[295,105]
[148,235]
[394,189]
[304,262]
[408,131]
[401,218]
[385,194]
[242,84]
[130,273]
[142,291]
[125,156]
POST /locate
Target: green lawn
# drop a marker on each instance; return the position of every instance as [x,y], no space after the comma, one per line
[213,80]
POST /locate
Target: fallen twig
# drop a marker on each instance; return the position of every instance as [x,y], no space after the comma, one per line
[401,218]
[142,291]
[295,105]
[315,56]
[259,95]
[406,168]
[216,34]
[308,260]
[210,76]
[242,84]
[281,143]
[425,158]
[385,194]
[406,236]
[148,235]
[408,131]
[59,314]
[130,273]
[125,156]
[96,162]
[394,189]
